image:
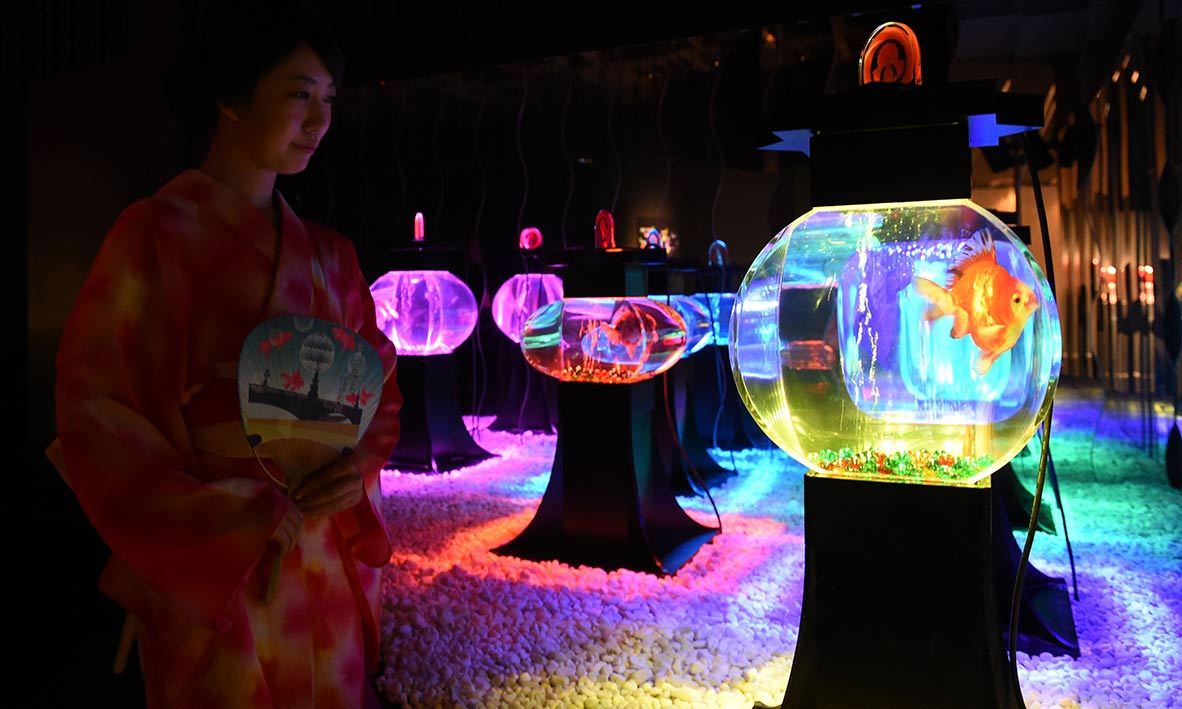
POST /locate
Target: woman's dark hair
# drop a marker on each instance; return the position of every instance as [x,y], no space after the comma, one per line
[239,41]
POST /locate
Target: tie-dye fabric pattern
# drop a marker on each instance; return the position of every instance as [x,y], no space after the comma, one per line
[151,442]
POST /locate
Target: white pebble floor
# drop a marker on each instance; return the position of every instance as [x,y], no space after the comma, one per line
[463,627]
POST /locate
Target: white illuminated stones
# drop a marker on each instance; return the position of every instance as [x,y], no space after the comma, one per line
[464,627]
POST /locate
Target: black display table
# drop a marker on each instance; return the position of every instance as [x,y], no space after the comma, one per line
[432,436]
[899,607]
[604,505]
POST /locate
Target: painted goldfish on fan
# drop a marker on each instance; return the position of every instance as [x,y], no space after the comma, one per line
[985,300]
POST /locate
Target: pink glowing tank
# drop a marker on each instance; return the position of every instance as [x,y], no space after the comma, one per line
[520,297]
[424,312]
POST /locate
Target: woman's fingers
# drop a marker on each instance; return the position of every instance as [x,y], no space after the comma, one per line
[321,479]
[348,498]
[328,493]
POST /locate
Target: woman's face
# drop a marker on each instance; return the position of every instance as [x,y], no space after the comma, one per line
[288,113]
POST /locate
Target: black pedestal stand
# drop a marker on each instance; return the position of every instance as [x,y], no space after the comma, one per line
[433,438]
[605,506]
[899,606]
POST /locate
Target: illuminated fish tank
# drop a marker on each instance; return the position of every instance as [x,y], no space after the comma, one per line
[718,307]
[912,341]
[521,296]
[696,317]
[424,312]
[604,340]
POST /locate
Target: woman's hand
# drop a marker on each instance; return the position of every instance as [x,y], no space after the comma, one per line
[334,488]
[288,530]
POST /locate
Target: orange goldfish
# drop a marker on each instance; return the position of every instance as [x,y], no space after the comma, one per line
[984,300]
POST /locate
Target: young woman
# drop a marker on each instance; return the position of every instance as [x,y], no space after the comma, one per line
[150,435]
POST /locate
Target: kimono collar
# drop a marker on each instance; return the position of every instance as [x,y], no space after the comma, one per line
[300,287]
[217,199]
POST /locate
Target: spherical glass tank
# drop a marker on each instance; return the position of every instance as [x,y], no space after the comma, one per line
[604,340]
[913,342]
[519,297]
[424,312]
[696,317]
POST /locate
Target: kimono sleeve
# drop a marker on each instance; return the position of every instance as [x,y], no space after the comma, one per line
[362,526]
[124,446]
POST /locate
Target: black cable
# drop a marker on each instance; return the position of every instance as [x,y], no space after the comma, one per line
[438,167]
[1044,454]
[664,151]
[723,285]
[528,374]
[520,149]
[611,139]
[570,166]
[1063,518]
[693,471]
[398,152]
[520,216]
[1096,430]
[681,449]
[478,403]
[718,366]
[721,156]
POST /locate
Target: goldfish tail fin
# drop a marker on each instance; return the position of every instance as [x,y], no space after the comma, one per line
[939,297]
[985,362]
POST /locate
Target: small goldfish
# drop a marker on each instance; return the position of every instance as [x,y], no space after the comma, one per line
[293,381]
[277,340]
[985,301]
[359,399]
[345,337]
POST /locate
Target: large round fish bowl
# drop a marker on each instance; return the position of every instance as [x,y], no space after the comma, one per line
[604,340]
[913,342]
[521,296]
[424,312]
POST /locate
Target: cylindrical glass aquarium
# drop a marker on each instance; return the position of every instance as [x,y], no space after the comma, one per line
[696,317]
[719,307]
[521,296]
[914,342]
[604,340]
[424,312]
